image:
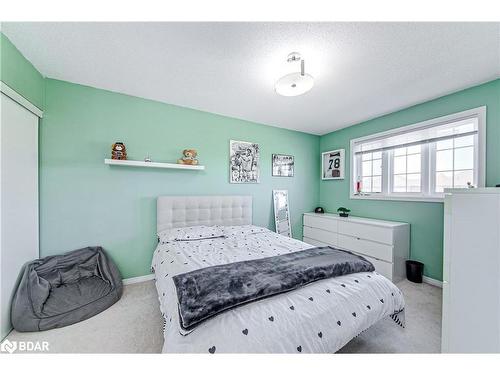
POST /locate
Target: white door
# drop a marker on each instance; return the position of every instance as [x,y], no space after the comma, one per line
[18,199]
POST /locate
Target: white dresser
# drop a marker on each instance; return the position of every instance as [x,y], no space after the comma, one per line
[384,243]
[471,271]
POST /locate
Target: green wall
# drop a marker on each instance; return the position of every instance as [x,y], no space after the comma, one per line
[20,74]
[426,219]
[85,202]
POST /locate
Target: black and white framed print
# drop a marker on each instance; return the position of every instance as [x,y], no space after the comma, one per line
[333,164]
[283,165]
[244,162]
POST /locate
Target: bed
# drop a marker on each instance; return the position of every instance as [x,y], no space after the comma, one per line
[320,317]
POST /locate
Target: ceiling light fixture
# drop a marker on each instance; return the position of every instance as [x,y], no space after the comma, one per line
[294,84]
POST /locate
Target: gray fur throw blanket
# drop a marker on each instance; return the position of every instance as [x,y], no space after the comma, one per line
[206,292]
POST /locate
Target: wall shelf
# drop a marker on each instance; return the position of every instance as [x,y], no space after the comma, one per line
[138,163]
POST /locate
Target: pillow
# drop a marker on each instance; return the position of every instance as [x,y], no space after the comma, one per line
[200,232]
[243,230]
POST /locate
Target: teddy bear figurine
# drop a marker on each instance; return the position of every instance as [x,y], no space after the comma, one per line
[118,151]
[189,157]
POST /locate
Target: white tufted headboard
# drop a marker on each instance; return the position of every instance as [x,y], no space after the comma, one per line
[185,211]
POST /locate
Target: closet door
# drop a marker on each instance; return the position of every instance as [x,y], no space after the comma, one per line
[18,199]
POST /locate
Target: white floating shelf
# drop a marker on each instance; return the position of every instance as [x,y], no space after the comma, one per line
[137,163]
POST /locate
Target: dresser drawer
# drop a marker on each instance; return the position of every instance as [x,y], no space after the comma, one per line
[364,247]
[321,235]
[313,242]
[371,232]
[383,268]
[321,223]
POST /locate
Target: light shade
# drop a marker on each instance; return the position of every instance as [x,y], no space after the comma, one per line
[294,84]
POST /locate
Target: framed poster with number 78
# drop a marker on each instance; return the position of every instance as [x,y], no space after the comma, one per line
[332,165]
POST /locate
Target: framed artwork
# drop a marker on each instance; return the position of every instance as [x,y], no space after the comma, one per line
[283,165]
[282,213]
[333,164]
[244,162]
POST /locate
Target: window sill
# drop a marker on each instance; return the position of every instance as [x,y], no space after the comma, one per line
[406,198]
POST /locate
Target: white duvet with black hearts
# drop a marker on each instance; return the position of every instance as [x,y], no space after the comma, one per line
[318,318]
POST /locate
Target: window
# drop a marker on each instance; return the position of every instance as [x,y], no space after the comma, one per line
[407,169]
[417,162]
[371,172]
[454,163]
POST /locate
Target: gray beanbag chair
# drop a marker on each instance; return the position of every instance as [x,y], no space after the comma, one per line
[60,290]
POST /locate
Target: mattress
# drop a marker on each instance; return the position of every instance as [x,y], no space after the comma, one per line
[318,318]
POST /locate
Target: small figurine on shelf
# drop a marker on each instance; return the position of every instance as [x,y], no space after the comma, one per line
[189,157]
[118,151]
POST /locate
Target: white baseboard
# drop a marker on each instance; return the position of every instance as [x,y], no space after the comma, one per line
[431,281]
[138,279]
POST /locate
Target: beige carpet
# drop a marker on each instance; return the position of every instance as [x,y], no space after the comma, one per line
[422,333]
[134,325]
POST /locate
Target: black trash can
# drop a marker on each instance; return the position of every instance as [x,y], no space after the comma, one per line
[414,271]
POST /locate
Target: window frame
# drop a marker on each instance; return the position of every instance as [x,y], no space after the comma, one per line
[427,165]
[359,165]
[423,173]
[433,169]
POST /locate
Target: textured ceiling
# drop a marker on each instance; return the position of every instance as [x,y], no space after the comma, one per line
[361,70]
